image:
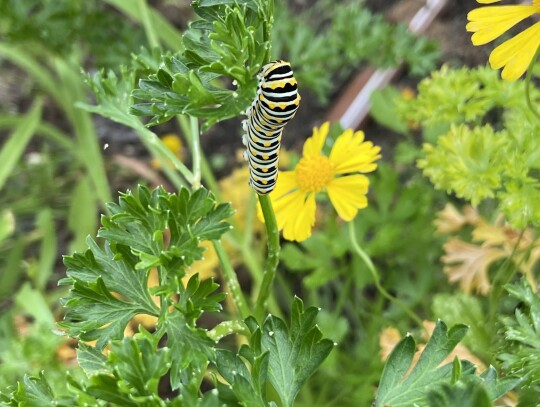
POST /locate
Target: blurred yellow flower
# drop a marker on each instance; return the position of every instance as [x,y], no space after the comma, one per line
[339,175]
[489,23]
[173,143]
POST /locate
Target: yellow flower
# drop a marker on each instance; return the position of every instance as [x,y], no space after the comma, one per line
[338,174]
[173,143]
[489,23]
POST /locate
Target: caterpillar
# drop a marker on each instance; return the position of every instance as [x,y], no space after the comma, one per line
[275,104]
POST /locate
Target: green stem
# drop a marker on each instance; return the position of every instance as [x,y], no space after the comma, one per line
[228,328]
[147,24]
[498,288]
[231,279]
[377,279]
[267,29]
[195,151]
[529,84]
[206,171]
[273,255]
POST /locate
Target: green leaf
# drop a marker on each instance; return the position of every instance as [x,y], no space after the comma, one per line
[34,304]
[36,392]
[397,390]
[227,42]
[47,252]
[294,351]
[495,387]
[7,224]
[190,348]
[397,365]
[91,360]
[13,148]
[469,394]
[522,334]
[82,219]
[131,373]
[96,314]
[200,296]
[384,110]
[248,386]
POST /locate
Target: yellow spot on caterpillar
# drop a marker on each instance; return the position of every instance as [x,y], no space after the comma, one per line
[272,106]
[265,169]
[265,182]
[266,157]
[267,144]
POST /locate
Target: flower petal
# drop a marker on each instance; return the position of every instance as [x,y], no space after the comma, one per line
[286,182]
[489,23]
[348,195]
[300,229]
[351,153]
[285,185]
[517,53]
[295,215]
[314,144]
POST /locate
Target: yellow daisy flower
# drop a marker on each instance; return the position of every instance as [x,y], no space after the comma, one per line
[339,174]
[173,143]
[489,23]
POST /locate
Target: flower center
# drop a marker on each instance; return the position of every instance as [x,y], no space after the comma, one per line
[536,4]
[314,173]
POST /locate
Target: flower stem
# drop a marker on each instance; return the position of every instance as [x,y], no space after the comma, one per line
[232,281]
[273,255]
[504,275]
[377,279]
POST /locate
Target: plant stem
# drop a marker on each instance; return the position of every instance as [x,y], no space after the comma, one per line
[195,151]
[147,24]
[273,255]
[377,279]
[206,171]
[231,280]
[498,288]
[228,328]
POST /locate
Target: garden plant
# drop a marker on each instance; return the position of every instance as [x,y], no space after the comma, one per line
[375,272]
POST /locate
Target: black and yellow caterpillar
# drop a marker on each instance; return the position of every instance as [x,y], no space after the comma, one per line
[275,104]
